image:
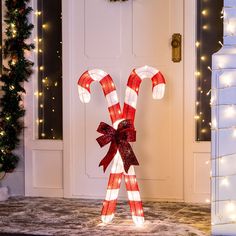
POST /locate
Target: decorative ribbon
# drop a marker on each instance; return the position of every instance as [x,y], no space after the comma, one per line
[119,140]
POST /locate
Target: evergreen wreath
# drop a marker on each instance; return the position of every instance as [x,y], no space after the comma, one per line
[17,71]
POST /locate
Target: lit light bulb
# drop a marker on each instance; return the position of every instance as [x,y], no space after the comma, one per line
[233,217]
[230,28]
[224,182]
[214,124]
[38,13]
[209,68]
[203,131]
[234,133]
[227,80]
[204,12]
[13,62]
[196,117]
[230,207]
[230,111]
[197,73]
[12,87]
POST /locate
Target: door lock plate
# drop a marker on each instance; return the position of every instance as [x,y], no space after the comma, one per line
[176,44]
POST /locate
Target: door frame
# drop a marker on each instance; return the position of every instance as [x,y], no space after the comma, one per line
[39,182]
[196,154]
[193,151]
[67,109]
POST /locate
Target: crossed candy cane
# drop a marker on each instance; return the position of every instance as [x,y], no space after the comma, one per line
[129,109]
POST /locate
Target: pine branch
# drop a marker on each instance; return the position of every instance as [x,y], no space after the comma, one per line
[17,71]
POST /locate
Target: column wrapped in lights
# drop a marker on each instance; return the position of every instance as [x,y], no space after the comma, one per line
[224,128]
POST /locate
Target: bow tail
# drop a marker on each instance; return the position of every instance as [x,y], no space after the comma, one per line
[109,156]
[127,156]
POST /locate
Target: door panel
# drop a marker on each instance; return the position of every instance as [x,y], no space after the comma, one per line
[118,37]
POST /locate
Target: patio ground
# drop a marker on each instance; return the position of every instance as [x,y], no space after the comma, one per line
[57,216]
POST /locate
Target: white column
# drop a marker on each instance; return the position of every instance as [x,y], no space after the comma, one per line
[224,128]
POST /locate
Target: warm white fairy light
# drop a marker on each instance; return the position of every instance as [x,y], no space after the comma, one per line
[38,13]
[46,83]
[204,12]
[230,207]
[230,111]
[224,181]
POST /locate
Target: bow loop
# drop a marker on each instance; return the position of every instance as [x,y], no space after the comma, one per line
[119,139]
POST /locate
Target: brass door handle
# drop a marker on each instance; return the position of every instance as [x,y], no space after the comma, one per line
[176,44]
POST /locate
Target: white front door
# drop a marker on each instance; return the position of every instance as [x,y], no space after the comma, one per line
[117,37]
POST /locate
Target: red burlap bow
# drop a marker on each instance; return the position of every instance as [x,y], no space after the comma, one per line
[119,139]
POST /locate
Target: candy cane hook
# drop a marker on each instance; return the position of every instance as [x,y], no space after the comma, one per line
[132,89]
[108,87]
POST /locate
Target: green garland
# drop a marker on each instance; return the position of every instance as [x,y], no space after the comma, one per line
[17,71]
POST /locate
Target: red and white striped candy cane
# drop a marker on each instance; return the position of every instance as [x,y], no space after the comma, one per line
[116,115]
[129,110]
[131,97]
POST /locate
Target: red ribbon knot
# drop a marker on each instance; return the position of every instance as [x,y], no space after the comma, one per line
[119,140]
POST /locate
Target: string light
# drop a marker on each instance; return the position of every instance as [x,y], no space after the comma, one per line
[204,12]
[48,87]
[38,13]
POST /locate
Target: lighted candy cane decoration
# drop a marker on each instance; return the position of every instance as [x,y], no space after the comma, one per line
[129,110]
[116,116]
[131,96]
[129,113]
